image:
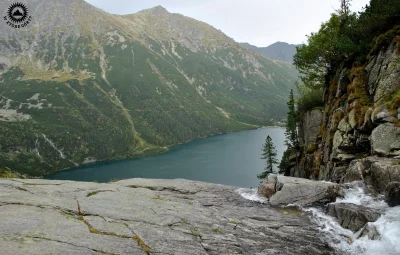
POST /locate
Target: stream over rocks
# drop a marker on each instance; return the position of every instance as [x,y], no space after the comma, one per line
[376,226]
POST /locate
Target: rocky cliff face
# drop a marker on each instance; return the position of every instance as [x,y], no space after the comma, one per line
[80,85]
[147,216]
[356,136]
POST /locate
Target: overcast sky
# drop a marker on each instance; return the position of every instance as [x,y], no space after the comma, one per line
[258,22]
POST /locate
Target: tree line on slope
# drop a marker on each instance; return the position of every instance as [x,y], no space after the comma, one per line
[346,38]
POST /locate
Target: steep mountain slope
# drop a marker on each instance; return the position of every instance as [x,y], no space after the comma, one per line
[80,85]
[279,51]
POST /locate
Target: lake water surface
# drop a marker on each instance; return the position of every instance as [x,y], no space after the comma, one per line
[232,159]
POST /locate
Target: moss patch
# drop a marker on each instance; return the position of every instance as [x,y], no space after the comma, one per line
[142,244]
[96,192]
[217,230]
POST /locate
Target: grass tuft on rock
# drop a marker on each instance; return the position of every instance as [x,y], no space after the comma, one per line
[142,244]
[217,230]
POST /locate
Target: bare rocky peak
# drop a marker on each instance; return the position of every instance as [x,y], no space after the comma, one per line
[79,18]
[158,10]
[159,24]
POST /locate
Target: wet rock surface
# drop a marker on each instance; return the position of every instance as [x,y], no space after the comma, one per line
[352,216]
[146,216]
[392,194]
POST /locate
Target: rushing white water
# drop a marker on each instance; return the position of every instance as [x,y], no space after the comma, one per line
[344,240]
[251,194]
[356,195]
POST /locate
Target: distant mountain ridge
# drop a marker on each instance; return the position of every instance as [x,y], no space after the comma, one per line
[82,85]
[279,51]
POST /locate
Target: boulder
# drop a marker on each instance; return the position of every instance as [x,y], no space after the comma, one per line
[298,191]
[370,232]
[353,172]
[385,139]
[392,194]
[337,140]
[378,172]
[352,216]
[267,187]
[381,115]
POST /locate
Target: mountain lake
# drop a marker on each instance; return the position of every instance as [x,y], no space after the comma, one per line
[231,159]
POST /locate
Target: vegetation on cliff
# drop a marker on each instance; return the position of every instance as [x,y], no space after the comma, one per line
[337,78]
[346,37]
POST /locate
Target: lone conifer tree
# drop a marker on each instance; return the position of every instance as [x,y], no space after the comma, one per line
[291,124]
[269,154]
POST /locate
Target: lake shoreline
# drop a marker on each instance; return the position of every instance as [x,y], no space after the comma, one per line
[162,150]
[231,144]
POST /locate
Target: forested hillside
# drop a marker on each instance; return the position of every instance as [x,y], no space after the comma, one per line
[80,85]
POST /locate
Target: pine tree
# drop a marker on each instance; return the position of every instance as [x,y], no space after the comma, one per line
[269,154]
[344,8]
[291,124]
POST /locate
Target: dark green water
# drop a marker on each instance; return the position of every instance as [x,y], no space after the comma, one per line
[232,159]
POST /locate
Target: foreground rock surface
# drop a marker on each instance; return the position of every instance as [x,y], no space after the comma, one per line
[146,216]
[299,191]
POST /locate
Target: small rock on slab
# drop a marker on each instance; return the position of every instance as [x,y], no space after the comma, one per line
[267,187]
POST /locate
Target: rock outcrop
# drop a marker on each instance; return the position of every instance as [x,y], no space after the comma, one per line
[385,140]
[283,190]
[377,172]
[309,127]
[352,216]
[146,216]
[358,137]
